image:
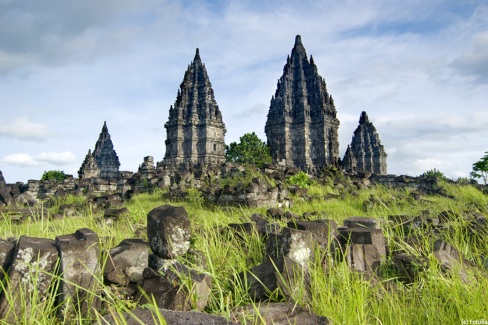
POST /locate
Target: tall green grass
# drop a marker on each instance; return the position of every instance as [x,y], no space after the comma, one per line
[342,295]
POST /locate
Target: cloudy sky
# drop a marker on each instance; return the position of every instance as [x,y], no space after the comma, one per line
[418,68]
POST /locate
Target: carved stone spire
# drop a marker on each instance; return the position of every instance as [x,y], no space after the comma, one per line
[302,126]
[349,163]
[195,130]
[89,168]
[367,149]
[105,156]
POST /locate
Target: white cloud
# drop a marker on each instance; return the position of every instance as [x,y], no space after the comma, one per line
[24,129]
[56,158]
[44,158]
[20,159]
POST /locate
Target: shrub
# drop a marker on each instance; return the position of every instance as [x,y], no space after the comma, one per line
[301,179]
[434,173]
[57,175]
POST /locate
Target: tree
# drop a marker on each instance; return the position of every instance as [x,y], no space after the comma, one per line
[480,168]
[250,150]
[57,175]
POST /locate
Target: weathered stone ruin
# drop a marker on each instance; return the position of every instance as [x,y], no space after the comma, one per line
[89,168]
[195,130]
[302,126]
[2,180]
[104,162]
[349,163]
[366,149]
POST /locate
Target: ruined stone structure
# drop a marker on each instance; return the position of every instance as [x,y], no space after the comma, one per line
[367,149]
[89,168]
[195,130]
[349,163]
[2,180]
[105,156]
[302,127]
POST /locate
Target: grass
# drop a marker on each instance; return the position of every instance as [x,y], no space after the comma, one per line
[342,295]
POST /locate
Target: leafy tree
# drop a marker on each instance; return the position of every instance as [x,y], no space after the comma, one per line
[250,150]
[57,175]
[434,173]
[480,168]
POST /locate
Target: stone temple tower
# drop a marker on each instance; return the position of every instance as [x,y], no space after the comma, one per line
[195,130]
[105,156]
[366,147]
[302,127]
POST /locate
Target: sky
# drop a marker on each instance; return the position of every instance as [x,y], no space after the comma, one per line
[418,68]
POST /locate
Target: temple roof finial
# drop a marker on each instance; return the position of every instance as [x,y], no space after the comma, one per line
[197,55]
[298,40]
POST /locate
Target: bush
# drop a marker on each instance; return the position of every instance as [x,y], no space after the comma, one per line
[301,179]
[434,173]
[57,175]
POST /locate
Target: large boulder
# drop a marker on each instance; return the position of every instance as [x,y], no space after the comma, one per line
[168,231]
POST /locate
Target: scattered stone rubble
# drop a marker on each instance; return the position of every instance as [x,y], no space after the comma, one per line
[154,266]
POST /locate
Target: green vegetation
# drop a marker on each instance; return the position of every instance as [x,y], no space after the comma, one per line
[480,168]
[57,175]
[250,150]
[301,179]
[435,297]
[434,173]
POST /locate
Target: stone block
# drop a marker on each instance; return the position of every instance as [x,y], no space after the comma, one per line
[148,317]
[79,254]
[451,260]
[281,313]
[168,231]
[364,236]
[167,295]
[362,222]
[363,258]
[326,229]
[126,262]
[284,273]
[6,254]
[33,263]
[197,286]
[408,266]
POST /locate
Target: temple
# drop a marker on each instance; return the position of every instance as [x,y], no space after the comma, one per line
[302,126]
[195,130]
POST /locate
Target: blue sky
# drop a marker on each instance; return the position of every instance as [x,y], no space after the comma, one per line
[418,68]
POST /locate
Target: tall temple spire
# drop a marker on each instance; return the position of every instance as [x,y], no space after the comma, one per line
[302,127]
[195,130]
[105,156]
